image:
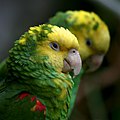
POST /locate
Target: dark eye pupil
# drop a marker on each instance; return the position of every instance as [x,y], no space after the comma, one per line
[88,42]
[55,45]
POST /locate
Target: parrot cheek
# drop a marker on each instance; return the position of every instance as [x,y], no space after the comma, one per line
[94,62]
[72,62]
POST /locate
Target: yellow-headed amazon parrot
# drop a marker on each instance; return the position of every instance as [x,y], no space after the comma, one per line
[36,84]
[93,37]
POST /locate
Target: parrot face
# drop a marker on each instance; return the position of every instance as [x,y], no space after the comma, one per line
[91,32]
[58,51]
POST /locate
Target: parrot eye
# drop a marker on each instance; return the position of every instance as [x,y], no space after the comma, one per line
[54,46]
[88,42]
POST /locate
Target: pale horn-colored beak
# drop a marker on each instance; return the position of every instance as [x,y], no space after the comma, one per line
[94,62]
[73,62]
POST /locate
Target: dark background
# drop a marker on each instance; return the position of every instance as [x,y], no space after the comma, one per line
[99,92]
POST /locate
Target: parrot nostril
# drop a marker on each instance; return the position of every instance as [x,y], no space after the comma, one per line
[74,51]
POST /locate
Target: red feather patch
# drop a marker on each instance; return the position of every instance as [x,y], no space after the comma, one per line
[38,106]
[23,95]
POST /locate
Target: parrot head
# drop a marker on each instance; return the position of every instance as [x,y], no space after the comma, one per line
[92,34]
[44,51]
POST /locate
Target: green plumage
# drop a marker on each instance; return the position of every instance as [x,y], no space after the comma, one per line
[63,19]
[30,71]
[93,37]
[76,81]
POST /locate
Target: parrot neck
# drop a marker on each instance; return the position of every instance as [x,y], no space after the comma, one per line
[56,96]
[76,81]
[57,107]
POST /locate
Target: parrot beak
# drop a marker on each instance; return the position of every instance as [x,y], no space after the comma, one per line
[72,63]
[94,62]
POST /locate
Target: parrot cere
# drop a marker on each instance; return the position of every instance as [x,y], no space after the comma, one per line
[37,84]
[93,37]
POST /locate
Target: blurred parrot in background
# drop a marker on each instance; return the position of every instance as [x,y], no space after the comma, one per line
[36,84]
[93,37]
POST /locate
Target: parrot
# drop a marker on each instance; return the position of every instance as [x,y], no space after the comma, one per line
[37,84]
[94,40]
